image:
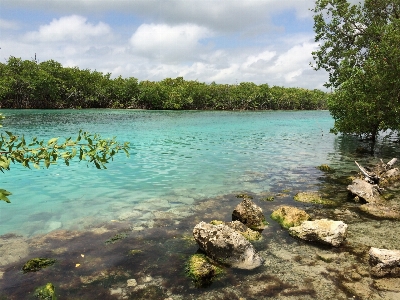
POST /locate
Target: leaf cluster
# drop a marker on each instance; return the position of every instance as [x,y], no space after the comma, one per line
[91,148]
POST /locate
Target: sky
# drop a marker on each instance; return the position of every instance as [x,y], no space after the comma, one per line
[222,41]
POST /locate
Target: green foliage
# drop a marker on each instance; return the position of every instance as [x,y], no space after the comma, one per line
[91,148]
[360,50]
[28,84]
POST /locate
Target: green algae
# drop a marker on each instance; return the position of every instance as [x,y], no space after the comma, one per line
[271,198]
[314,198]
[325,168]
[244,196]
[46,292]
[116,238]
[288,216]
[36,264]
[201,270]
[135,251]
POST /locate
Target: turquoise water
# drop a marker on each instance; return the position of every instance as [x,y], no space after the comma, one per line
[177,157]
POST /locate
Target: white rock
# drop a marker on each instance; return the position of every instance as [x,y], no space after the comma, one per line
[384,262]
[227,246]
[131,282]
[324,231]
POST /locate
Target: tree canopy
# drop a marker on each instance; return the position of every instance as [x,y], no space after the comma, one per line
[359,48]
[29,84]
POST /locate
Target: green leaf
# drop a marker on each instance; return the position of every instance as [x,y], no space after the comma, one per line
[4,194]
[52,141]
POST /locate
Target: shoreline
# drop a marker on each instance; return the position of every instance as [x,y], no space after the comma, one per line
[88,267]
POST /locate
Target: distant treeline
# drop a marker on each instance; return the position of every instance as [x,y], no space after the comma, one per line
[28,84]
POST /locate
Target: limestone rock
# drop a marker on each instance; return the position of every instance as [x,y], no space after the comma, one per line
[249,214]
[289,216]
[365,191]
[312,197]
[249,234]
[389,177]
[226,246]
[384,262]
[324,231]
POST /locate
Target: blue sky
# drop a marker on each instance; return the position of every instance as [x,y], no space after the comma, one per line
[226,41]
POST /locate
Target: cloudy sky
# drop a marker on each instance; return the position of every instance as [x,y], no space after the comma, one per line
[226,41]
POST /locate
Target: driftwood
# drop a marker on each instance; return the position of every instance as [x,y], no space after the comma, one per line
[370,177]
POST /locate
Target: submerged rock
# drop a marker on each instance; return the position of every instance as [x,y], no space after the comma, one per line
[226,246]
[365,190]
[387,211]
[324,231]
[289,216]
[36,264]
[249,214]
[201,270]
[312,197]
[46,292]
[325,168]
[384,262]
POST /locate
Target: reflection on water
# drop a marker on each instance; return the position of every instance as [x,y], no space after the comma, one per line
[187,167]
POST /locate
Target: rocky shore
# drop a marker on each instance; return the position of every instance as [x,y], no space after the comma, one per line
[294,249]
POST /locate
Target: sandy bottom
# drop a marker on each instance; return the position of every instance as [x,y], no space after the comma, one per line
[133,259]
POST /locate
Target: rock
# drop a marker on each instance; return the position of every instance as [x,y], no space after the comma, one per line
[201,270]
[325,168]
[131,283]
[389,177]
[289,216]
[324,231]
[387,211]
[226,246]
[46,292]
[384,262]
[365,191]
[249,234]
[312,197]
[249,214]
[36,264]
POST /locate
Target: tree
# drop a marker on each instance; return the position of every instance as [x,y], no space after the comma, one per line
[87,147]
[360,51]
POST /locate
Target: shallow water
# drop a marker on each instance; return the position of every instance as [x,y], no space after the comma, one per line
[186,167]
[176,157]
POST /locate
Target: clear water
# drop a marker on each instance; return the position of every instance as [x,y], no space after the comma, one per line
[189,166]
[177,157]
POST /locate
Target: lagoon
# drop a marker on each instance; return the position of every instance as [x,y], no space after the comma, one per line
[186,167]
[178,156]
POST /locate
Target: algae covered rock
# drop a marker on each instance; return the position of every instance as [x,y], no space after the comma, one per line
[46,292]
[289,216]
[325,168]
[249,234]
[226,246]
[36,264]
[384,262]
[249,214]
[200,269]
[312,197]
[325,231]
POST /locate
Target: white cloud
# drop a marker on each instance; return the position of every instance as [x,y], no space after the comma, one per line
[168,43]
[69,28]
